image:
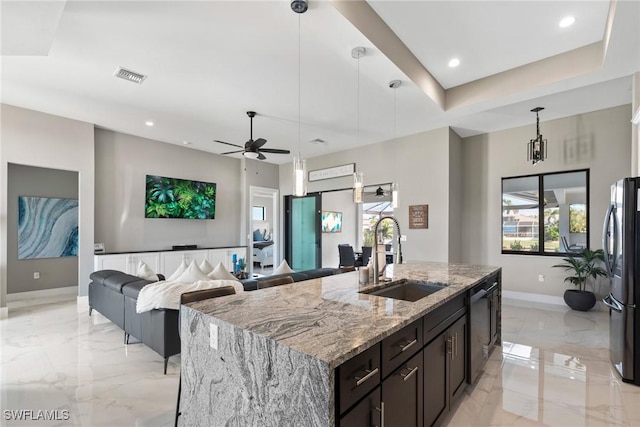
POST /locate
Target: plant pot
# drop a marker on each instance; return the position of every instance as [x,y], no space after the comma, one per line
[579,300]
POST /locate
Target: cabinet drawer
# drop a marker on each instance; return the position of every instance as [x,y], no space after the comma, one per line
[399,347]
[442,317]
[358,376]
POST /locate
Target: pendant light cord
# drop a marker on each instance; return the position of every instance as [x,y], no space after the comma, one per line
[299,82]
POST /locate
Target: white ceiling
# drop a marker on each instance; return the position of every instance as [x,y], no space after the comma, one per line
[210,62]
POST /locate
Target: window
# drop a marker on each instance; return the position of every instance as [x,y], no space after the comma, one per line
[258,213]
[545,214]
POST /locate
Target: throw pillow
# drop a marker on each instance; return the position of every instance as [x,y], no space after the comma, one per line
[221,273]
[283,268]
[257,236]
[181,268]
[192,274]
[145,272]
[205,267]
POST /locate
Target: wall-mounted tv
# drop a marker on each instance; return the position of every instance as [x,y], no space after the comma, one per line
[179,198]
[331,222]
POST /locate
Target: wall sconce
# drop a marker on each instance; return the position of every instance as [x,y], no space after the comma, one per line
[537,148]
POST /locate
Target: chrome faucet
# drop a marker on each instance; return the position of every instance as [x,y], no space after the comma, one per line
[376,278]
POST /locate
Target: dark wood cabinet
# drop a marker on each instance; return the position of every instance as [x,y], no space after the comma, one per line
[367,413]
[402,394]
[358,376]
[445,373]
[413,377]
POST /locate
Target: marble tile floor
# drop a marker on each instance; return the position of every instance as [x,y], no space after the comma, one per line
[553,370]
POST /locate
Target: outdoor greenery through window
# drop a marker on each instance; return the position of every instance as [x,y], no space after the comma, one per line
[545,214]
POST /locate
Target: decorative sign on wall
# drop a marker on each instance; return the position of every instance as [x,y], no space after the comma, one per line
[334,172]
[47,227]
[419,216]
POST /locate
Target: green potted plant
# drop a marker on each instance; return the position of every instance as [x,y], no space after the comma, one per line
[582,265]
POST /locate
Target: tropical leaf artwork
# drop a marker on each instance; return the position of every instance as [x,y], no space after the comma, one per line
[179,198]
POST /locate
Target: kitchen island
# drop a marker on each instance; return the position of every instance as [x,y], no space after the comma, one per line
[319,352]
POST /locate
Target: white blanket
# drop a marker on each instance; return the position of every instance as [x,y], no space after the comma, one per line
[166,294]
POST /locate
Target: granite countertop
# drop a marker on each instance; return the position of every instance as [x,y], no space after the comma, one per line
[329,319]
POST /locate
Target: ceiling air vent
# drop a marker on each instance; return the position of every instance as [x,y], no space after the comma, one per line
[129,75]
[318,141]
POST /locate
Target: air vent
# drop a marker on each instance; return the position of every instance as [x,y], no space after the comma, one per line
[318,141]
[129,75]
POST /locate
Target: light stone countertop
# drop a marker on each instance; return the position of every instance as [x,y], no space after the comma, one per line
[327,318]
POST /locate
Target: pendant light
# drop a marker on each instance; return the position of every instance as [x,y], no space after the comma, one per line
[394,84]
[299,164]
[537,148]
[358,177]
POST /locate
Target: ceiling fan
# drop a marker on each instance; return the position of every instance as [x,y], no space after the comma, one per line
[252,149]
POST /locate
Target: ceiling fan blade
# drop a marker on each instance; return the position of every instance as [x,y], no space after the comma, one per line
[259,142]
[233,152]
[228,143]
[275,151]
[248,145]
[261,156]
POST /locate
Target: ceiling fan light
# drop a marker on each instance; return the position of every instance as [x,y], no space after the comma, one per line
[250,154]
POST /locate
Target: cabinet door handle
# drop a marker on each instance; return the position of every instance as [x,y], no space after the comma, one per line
[450,346]
[407,345]
[369,373]
[381,410]
[455,338]
[407,376]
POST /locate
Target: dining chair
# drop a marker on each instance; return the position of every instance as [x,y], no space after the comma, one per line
[194,296]
[347,256]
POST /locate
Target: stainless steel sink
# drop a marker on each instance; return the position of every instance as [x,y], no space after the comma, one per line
[406,290]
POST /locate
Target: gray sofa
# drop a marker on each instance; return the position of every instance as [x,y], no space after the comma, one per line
[114,295]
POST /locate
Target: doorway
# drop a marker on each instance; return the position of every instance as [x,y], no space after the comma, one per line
[264,231]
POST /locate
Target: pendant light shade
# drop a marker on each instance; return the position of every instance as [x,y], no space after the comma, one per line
[394,195]
[299,177]
[299,164]
[537,147]
[358,185]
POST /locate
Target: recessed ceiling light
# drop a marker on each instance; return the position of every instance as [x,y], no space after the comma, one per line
[454,62]
[148,123]
[186,142]
[567,21]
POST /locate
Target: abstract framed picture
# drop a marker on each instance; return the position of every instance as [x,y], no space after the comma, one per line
[331,222]
[47,227]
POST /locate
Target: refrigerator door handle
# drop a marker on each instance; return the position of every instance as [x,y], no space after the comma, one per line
[606,236]
[612,304]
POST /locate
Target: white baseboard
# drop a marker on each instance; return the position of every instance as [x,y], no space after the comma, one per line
[4,312]
[526,296]
[45,293]
[83,303]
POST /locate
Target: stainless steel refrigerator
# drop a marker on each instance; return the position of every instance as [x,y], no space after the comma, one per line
[621,243]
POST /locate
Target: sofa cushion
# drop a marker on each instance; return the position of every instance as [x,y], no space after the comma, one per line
[283,268]
[132,289]
[318,272]
[249,284]
[116,282]
[98,277]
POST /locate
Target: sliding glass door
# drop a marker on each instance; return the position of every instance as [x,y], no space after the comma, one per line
[303,243]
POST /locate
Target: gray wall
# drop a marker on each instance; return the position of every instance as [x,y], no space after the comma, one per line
[43,140]
[121,164]
[54,272]
[605,138]
[339,201]
[455,197]
[420,165]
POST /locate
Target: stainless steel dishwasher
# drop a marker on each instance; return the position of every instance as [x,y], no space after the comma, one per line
[482,324]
